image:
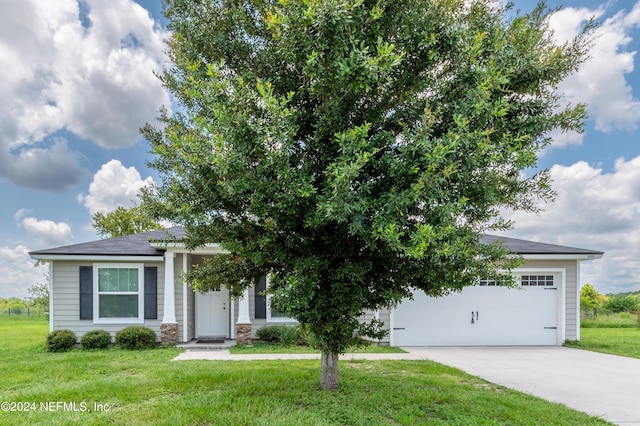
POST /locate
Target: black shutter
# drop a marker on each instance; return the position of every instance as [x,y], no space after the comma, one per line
[86,292]
[150,292]
[261,299]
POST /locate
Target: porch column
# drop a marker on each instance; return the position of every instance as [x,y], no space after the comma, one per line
[169,326]
[243,325]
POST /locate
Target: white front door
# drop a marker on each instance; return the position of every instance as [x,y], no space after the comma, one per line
[212,313]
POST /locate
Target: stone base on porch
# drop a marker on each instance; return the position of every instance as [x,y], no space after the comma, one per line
[243,334]
[168,334]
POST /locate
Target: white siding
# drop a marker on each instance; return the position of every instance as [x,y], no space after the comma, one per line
[384,317]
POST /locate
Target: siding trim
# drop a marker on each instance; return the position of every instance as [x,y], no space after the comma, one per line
[51,292]
[578,288]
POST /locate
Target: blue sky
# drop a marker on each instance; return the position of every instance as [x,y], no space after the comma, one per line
[78,83]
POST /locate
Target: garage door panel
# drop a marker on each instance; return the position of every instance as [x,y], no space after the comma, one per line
[479,315]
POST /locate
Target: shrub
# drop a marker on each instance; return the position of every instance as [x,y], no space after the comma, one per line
[61,340]
[307,338]
[283,335]
[136,337]
[289,336]
[360,342]
[623,303]
[96,339]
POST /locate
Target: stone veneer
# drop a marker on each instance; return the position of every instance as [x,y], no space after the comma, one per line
[243,334]
[168,334]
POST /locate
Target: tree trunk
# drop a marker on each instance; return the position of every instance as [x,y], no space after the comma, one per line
[329,370]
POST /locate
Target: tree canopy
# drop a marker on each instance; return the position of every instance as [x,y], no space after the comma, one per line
[123,221]
[355,150]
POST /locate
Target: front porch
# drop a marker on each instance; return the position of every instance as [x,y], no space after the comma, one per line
[188,316]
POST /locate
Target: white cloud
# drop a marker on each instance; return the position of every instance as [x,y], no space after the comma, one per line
[593,210]
[47,232]
[113,185]
[17,272]
[562,139]
[94,80]
[600,81]
[44,232]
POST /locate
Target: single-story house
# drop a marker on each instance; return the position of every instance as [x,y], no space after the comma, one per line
[137,279]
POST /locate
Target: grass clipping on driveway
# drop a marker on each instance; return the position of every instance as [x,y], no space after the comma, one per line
[144,387]
[265,348]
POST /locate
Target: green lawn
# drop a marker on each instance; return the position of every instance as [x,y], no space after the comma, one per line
[623,341]
[146,387]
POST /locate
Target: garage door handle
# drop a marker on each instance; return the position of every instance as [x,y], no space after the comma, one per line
[550,288]
[398,328]
[551,328]
[472,317]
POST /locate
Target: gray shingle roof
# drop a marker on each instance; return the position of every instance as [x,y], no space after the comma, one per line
[531,247]
[138,245]
[128,245]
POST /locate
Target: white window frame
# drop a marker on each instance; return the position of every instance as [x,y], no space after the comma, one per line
[96,293]
[269,317]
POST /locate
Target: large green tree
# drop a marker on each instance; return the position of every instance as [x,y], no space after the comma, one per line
[589,298]
[124,221]
[355,150]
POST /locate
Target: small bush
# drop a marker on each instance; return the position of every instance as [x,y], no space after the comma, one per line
[359,342]
[289,336]
[283,335]
[96,339]
[307,338]
[61,340]
[136,337]
[623,303]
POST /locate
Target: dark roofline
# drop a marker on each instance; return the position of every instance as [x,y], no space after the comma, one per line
[524,247]
[140,245]
[128,245]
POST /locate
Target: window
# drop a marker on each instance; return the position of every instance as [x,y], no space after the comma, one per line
[272,314]
[118,293]
[489,283]
[536,280]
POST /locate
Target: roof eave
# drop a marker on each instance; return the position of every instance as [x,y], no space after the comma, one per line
[180,247]
[120,258]
[562,256]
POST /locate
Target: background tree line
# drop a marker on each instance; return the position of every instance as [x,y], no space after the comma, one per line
[37,303]
[593,303]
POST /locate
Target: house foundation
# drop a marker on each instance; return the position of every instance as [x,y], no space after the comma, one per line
[168,334]
[243,334]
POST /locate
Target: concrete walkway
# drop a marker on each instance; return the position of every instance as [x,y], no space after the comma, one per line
[602,385]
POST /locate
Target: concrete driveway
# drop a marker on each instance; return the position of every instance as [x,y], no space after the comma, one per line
[602,385]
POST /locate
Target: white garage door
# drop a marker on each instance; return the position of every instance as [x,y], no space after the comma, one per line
[483,315]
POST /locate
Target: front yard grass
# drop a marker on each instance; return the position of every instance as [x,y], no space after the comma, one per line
[147,388]
[616,341]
